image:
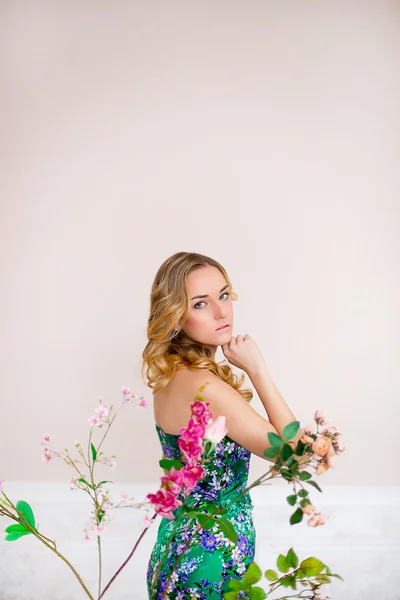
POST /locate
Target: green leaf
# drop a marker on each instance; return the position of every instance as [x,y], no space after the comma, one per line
[292,558]
[24,508]
[323,579]
[311,566]
[304,501]
[215,510]
[271,452]
[303,493]
[253,574]
[286,452]
[206,522]
[275,440]
[230,596]
[271,575]
[336,575]
[290,430]
[17,527]
[314,484]
[101,483]
[257,593]
[287,581]
[292,499]
[300,448]
[282,564]
[304,475]
[15,535]
[94,452]
[237,585]
[286,474]
[227,528]
[296,517]
[85,482]
[167,464]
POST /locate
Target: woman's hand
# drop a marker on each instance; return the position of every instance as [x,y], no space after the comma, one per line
[243,352]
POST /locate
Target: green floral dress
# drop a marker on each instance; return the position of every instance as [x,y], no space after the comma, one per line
[211,559]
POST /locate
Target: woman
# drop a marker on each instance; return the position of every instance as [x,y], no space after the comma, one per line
[191,314]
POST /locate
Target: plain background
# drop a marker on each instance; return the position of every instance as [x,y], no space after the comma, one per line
[263,134]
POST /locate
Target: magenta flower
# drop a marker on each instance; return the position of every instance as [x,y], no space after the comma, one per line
[164,502]
[191,451]
[191,476]
[173,482]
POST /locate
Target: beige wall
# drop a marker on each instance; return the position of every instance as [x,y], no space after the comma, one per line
[263,134]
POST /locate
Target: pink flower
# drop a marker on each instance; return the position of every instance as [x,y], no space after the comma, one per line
[322,446]
[93,420]
[99,529]
[320,418]
[322,467]
[164,502]
[46,437]
[102,411]
[173,482]
[193,431]
[198,408]
[331,430]
[330,460]
[124,496]
[216,430]
[317,520]
[191,476]
[338,444]
[125,390]
[191,451]
[143,402]
[309,429]
[147,522]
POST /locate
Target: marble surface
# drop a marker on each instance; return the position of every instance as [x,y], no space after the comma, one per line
[360,541]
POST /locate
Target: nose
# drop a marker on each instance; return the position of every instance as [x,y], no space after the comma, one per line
[220,311]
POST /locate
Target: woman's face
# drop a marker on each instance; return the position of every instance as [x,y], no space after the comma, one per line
[212,310]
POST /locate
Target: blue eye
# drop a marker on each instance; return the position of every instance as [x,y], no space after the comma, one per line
[201,301]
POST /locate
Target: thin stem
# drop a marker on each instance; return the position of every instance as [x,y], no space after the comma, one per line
[43,539]
[126,560]
[99,554]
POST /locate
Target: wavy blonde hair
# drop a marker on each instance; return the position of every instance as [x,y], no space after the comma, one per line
[168,347]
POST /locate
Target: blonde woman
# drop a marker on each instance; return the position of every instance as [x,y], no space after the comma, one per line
[191,314]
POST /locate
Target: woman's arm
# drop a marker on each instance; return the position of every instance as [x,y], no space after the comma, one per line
[279,413]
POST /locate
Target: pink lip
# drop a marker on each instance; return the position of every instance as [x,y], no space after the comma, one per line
[223,328]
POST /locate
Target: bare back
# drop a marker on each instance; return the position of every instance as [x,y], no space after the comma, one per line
[172,404]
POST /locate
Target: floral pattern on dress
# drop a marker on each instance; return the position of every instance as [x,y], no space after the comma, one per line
[211,559]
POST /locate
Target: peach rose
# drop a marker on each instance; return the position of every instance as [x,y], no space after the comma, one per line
[322,467]
[317,520]
[330,459]
[306,439]
[322,445]
[308,509]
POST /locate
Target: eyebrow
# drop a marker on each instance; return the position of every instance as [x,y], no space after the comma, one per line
[206,295]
